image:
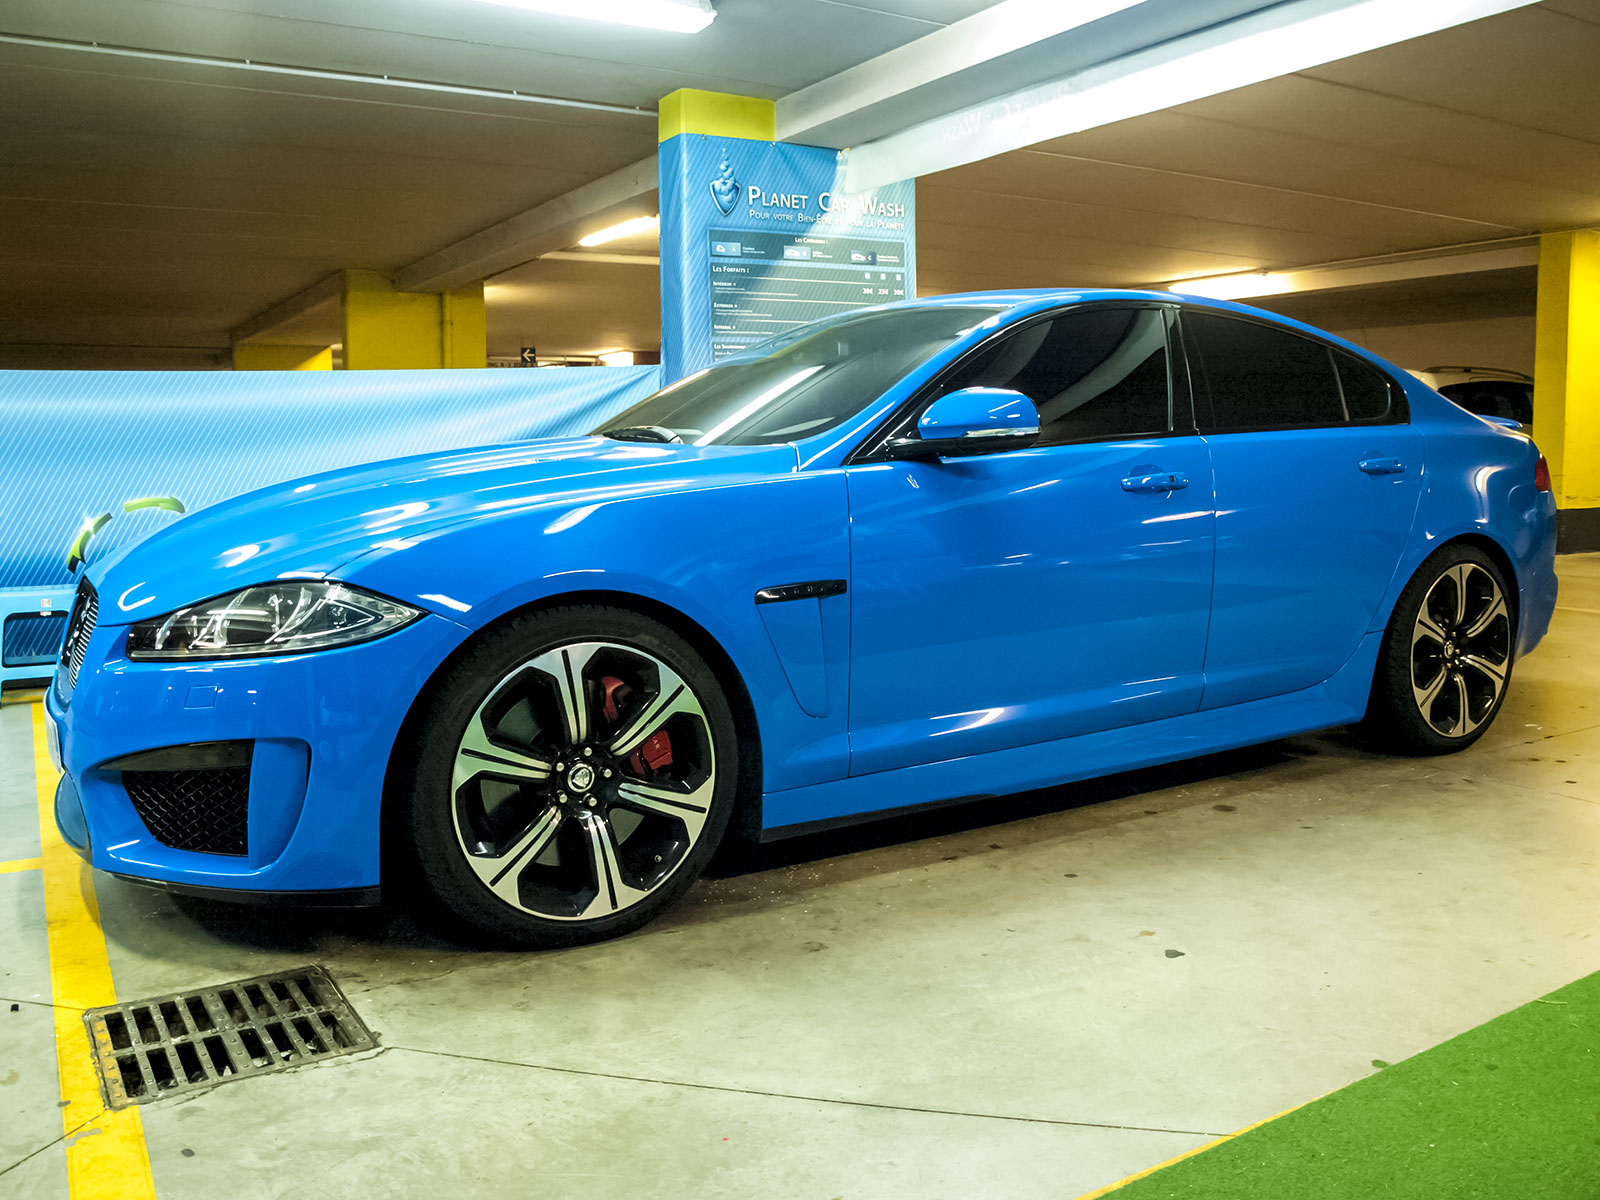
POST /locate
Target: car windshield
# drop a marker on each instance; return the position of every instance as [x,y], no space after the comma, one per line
[799,383]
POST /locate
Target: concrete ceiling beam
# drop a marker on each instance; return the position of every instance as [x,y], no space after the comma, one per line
[1159,74]
[285,321]
[1016,41]
[1510,255]
[554,225]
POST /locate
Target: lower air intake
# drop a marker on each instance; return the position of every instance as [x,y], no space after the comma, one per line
[207,809]
[149,1049]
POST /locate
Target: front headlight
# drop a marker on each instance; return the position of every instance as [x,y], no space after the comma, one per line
[291,617]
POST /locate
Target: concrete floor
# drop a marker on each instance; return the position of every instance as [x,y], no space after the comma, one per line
[1091,981]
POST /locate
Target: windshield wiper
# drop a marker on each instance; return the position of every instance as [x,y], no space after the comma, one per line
[641,433]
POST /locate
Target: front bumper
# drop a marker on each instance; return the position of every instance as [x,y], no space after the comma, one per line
[321,727]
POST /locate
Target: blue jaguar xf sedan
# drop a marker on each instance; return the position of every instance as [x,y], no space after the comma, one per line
[933,551]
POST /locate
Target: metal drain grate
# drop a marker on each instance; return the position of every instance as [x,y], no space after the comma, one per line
[148,1049]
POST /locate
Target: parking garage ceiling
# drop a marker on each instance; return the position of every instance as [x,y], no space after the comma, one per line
[151,204]
[1486,131]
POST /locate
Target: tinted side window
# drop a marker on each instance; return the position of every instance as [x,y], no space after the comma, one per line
[1367,394]
[1097,373]
[1259,376]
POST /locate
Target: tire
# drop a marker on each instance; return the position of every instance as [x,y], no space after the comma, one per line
[541,822]
[1446,657]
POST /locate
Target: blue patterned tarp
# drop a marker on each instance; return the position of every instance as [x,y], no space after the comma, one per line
[74,444]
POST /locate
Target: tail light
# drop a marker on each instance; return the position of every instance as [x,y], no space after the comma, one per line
[1541,475]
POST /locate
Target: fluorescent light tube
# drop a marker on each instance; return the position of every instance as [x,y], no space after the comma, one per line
[621,230]
[1234,287]
[672,16]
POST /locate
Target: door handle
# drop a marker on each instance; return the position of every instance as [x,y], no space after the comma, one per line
[1382,466]
[1165,482]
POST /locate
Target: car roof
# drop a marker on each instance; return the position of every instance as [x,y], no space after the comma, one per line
[1016,297]
[1021,301]
[1051,297]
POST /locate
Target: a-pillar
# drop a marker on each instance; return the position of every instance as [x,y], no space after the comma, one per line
[1566,372]
[385,329]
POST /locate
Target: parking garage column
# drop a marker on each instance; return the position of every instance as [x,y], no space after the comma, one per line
[1566,410]
[389,329]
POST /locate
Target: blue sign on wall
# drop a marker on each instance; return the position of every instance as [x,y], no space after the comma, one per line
[755,240]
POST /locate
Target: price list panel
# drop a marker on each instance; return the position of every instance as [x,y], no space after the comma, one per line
[767,283]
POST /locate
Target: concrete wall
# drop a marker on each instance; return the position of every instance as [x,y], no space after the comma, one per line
[1505,342]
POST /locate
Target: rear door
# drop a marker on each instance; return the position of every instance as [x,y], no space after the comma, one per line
[1318,475]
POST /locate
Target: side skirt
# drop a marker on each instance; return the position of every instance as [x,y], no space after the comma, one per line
[1336,701]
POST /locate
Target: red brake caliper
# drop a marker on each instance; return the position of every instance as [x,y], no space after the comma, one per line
[656,753]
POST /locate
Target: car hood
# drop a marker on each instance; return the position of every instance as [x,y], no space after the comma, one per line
[309,528]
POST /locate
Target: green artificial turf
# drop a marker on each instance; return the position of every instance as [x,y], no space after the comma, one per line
[1507,1111]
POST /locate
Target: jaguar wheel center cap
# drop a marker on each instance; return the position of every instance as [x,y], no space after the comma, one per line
[581,777]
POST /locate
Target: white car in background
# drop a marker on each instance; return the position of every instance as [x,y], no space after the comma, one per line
[1487,391]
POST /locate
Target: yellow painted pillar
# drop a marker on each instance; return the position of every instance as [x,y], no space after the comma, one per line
[1566,396]
[464,327]
[248,357]
[716,114]
[386,330]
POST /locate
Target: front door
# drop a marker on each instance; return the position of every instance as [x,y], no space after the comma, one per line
[1030,595]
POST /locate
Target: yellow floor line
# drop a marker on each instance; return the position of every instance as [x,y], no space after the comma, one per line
[21,864]
[1178,1158]
[106,1158]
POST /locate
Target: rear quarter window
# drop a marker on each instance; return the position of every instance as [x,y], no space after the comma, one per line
[1368,394]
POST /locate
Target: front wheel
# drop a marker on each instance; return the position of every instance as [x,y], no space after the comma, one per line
[573,775]
[1446,656]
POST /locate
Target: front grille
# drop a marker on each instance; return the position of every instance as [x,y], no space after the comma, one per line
[80,628]
[206,810]
[147,1049]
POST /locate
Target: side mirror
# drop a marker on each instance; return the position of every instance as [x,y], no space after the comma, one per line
[975,420]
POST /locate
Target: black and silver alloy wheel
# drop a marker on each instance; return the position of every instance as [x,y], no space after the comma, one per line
[557,805]
[1460,650]
[1446,656]
[583,786]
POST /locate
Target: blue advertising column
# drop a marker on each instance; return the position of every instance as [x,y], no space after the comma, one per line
[755,238]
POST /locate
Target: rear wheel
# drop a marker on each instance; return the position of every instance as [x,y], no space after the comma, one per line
[573,776]
[1446,656]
